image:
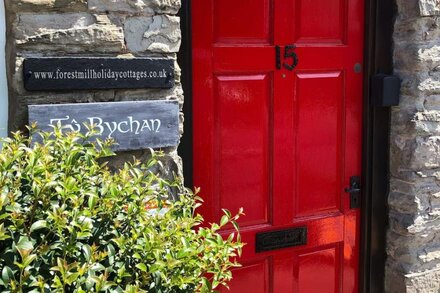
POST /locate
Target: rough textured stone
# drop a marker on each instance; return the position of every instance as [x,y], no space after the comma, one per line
[429,7]
[432,103]
[421,29]
[68,32]
[147,7]
[48,5]
[159,33]
[423,282]
[417,154]
[413,240]
[427,122]
[420,57]
[430,86]
[395,281]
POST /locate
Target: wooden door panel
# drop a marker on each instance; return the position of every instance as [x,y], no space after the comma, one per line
[313,270]
[320,21]
[243,137]
[318,271]
[235,22]
[319,128]
[253,277]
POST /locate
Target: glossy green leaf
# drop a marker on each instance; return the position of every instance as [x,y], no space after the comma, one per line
[24,246]
[7,274]
[224,220]
[38,225]
[142,267]
[28,260]
[87,251]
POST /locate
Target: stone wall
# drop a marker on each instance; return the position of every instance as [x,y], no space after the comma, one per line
[98,28]
[413,263]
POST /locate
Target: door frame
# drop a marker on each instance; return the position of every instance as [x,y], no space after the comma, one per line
[379,22]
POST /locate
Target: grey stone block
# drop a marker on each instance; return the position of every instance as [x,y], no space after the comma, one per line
[48,5]
[68,32]
[159,34]
[146,7]
[429,7]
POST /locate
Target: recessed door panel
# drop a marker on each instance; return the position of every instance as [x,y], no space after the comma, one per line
[318,271]
[321,21]
[252,277]
[244,21]
[319,120]
[244,143]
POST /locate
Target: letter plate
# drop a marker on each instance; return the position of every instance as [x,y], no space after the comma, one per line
[267,241]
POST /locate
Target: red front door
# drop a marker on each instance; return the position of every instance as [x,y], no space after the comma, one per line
[277,131]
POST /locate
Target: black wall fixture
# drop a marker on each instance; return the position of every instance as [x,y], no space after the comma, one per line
[385,90]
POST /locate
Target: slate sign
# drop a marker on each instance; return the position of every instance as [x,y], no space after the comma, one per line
[133,125]
[97,73]
[272,240]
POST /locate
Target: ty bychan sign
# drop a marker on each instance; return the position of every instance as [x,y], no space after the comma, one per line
[66,73]
[133,125]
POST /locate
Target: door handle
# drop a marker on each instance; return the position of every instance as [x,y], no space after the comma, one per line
[352,190]
[355,192]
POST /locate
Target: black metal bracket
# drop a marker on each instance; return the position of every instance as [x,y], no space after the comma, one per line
[385,90]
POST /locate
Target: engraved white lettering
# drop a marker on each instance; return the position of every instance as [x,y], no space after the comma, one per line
[145,125]
[97,124]
[58,121]
[76,124]
[155,122]
[138,124]
[109,126]
[120,128]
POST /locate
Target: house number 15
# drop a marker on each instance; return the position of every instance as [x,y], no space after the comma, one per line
[290,59]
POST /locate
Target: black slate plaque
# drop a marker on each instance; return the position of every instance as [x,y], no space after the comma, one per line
[272,240]
[133,125]
[64,73]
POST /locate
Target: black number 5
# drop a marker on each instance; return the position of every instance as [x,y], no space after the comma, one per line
[289,52]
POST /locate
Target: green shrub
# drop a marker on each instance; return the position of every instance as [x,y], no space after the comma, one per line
[68,224]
